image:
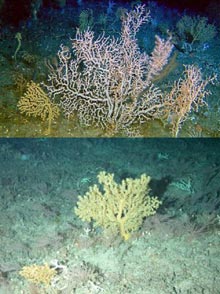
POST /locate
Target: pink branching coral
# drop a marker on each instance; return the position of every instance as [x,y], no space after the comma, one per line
[108,81]
[186,95]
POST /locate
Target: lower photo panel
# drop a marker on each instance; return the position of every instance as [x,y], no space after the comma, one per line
[90,216]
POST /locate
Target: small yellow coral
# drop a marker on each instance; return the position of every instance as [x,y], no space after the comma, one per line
[38,273]
[36,102]
[118,206]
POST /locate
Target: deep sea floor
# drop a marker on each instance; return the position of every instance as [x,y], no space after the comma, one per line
[175,251]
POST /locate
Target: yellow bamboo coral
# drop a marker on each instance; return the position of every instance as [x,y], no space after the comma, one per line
[120,207]
[38,274]
[36,102]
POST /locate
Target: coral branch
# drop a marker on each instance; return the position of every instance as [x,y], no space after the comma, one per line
[187,95]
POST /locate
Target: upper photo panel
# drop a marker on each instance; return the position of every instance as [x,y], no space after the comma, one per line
[74,68]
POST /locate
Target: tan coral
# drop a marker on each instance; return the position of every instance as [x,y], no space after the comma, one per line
[36,102]
[120,207]
[38,273]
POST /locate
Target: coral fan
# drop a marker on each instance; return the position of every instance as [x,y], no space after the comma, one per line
[35,102]
[107,81]
[119,207]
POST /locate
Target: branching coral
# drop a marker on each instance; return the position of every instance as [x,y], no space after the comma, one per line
[119,207]
[107,81]
[187,95]
[36,102]
[194,30]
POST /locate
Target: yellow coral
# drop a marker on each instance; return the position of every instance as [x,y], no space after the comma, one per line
[36,102]
[38,273]
[118,206]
